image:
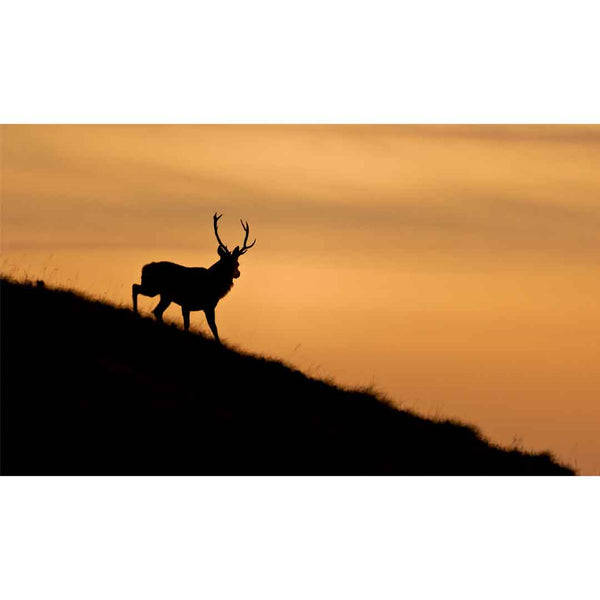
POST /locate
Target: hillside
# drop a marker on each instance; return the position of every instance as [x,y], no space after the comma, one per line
[88,388]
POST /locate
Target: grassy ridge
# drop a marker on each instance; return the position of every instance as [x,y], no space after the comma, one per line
[88,388]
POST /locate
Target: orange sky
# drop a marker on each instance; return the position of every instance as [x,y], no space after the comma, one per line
[455,267]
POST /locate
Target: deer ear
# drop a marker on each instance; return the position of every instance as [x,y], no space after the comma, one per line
[221,252]
[236,251]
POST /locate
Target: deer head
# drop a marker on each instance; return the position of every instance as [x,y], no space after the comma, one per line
[230,258]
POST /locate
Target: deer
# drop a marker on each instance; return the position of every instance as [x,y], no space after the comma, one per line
[193,288]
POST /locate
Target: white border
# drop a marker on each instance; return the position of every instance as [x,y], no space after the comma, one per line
[286,537]
[322,61]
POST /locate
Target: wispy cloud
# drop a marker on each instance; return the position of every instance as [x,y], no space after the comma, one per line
[446,188]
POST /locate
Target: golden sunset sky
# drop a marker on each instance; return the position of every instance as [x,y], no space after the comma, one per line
[456,268]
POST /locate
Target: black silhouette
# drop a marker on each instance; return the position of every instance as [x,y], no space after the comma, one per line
[89,389]
[193,288]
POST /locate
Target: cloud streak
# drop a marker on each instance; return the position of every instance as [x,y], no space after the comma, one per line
[460,189]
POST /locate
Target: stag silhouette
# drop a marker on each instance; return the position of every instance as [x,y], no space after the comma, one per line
[193,288]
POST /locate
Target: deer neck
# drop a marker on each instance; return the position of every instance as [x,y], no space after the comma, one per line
[222,278]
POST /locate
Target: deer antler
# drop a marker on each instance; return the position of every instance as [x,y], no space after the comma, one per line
[221,244]
[247,230]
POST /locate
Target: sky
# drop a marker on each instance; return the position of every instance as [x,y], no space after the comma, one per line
[454,268]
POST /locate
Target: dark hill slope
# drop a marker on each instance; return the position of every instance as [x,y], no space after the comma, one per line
[91,389]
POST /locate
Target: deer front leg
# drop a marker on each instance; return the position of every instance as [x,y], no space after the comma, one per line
[186,317]
[210,317]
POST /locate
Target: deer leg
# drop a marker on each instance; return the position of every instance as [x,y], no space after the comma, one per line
[186,318]
[161,307]
[135,290]
[210,317]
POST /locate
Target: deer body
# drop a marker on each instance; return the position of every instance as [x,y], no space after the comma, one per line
[192,288]
[196,288]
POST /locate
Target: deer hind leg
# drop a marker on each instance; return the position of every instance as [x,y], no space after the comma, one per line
[139,289]
[135,290]
[161,307]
